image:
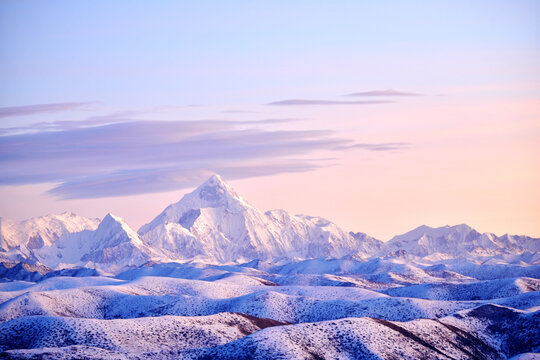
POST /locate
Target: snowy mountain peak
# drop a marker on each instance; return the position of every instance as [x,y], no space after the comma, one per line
[113,245]
[112,224]
[215,180]
[111,218]
[434,232]
[19,239]
[216,192]
[214,223]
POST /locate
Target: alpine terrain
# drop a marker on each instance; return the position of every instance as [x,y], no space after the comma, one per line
[213,277]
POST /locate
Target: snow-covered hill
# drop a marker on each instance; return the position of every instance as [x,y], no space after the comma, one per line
[149,334]
[214,223]
[462,336]
[393,307]
[480,290]
[484,332]
[187,289]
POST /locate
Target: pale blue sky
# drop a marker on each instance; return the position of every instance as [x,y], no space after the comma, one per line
[184,52]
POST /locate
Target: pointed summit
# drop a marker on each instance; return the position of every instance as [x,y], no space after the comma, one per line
[110,218]
[214,223]
[215,191]
[111,246]
[112,225]
[215,179]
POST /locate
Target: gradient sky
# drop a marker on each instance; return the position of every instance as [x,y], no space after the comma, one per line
[124,106]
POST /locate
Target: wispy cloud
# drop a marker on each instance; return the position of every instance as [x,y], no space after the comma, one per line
[234,111]
[39,108]
[305,102]
[391,146]
[72,124]
[135,157]
[125,116]
[128,182]
[387,92]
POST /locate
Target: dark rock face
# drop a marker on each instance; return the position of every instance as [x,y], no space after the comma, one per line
[188,218]
[22,271]
[35,242]
[213,193]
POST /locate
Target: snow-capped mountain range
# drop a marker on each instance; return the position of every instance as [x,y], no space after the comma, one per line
[19,240]
[214,224]
[214,277]
[459,240]
[112,245]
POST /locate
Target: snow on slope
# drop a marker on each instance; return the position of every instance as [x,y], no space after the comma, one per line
[214,223]
[189,270]
[462,336]
[157,296]
[458,241]
[487,271]
[18,240]
[391,271]
[142,335]
[372,274]
[112,246]
[480,290]
[133,314]
[10,271]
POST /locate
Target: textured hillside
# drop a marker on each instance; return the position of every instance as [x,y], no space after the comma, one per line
[148,334]
[485,332]
[462,336]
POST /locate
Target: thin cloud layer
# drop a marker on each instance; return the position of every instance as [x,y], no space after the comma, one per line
[39,108]
[120,117]
[304,102]
[136,157]
[387,92]
[128,182]
[392,146]
[71,124]
[234,111]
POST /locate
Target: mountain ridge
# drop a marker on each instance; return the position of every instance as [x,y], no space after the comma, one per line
[228,228]
[214,224]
